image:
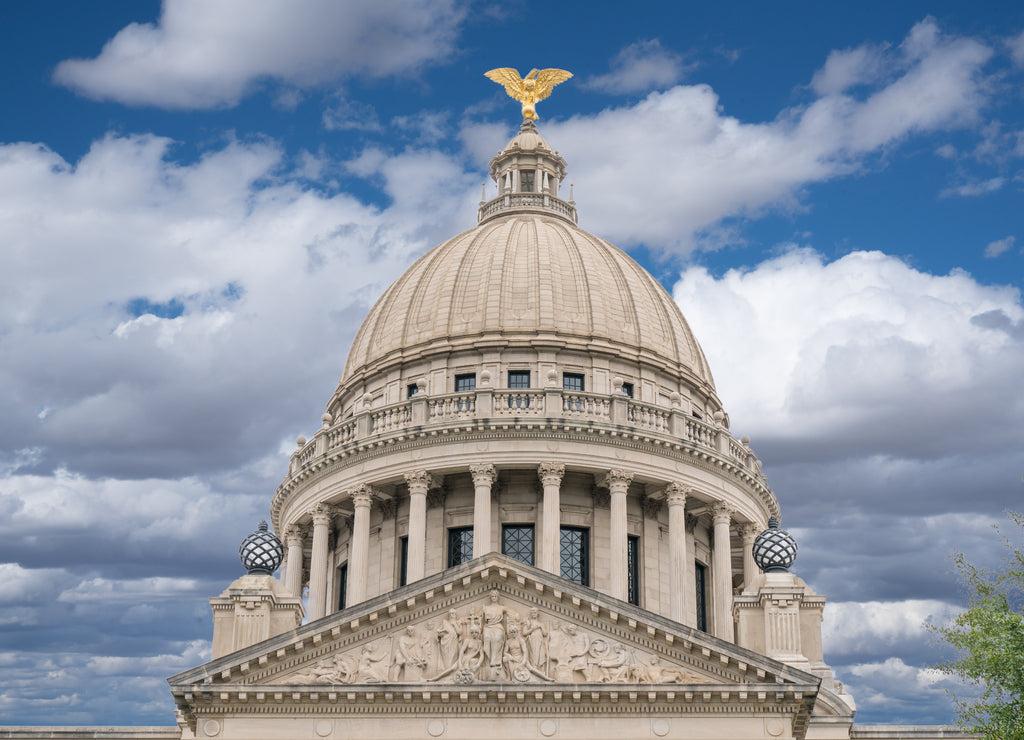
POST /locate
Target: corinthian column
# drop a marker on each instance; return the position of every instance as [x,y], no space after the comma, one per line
[359,550]
[551,520]
[295,537]
[483,478]
[675,497]
[419,482]
[722,572]
[617,482]
[322,514]
[749,532]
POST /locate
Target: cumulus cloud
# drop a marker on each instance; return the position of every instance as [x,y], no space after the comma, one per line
[999,246]
[848,68]
[843,366]
[640,67]
[680,165]
[150,272]
[209,55]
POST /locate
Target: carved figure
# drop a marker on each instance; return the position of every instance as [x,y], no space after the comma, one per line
[410,662]
[494,634]
[657,673]
[571,654]
[614,666]
[471,655]
[536,634]
[531,89]
[373,665]
[325,670]
[448,635]
[516,659]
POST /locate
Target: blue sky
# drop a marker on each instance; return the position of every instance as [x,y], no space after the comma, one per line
[199,202]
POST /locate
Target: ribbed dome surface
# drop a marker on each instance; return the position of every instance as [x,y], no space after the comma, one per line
[524,277]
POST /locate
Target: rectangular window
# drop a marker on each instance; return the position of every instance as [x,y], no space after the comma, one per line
[526,179]
[572,382]
[518,378]
[465,382]
[411,390]
[517,542]
[575,554]
[342,585]
[633,567]
[403,563]
[460,545]
[627,388]
[701,573]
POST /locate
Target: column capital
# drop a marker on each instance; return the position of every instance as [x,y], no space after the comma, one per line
[676,493]
[484,474]
[617,480]
[721,512]
[388,508]
[749,531]
[322,514]
[294,534]
[363,496]
[420,481]
[691,523]
[551,474]
[651,506]
[436,497]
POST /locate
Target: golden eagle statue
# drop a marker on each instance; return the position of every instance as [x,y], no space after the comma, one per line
[531,89]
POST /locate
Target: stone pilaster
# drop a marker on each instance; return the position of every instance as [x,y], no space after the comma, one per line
[748,533]
[484,476]
[419,482]
[617,482]
[295,539]
[721,571]
[322,515]
[675,496]
[359,547]
[551,475]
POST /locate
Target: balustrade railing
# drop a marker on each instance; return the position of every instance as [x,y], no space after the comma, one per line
[515,201]
[512,403]
[518,403]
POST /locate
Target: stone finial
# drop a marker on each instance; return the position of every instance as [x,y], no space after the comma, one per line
[774,549]
[261,552]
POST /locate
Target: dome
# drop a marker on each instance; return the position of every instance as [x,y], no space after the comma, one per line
[528,278]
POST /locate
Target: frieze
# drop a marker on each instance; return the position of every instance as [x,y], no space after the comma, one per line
[492,641]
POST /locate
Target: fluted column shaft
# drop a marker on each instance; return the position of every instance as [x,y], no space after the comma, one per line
[617,482]
[722,572]
[359,551]
[295,538]
[551,521]
[675,496]
[322,514]
[420,482]
[749,532]
[484,476]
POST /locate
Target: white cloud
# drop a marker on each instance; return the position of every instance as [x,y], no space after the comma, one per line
[209,55]
[973,189]
[241,245]
[849,626]
[848,68]
[640,67]
[999,246]
[859,355]
[1016,45]
[679,165]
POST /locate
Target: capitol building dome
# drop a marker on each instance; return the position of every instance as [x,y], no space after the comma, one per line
[526,388]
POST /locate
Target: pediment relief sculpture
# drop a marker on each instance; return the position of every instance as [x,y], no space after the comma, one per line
[488,642]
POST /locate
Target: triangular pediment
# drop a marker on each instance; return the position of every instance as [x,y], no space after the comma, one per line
[493,620]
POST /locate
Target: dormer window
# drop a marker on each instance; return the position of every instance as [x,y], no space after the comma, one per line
[526,181]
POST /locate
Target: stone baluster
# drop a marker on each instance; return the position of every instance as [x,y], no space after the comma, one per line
[322,515]
[359,547]
[419,482]
[721,559]
[749,532]
[617,482]
[675,496]
[550,538]
[484,476]
[295,538]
